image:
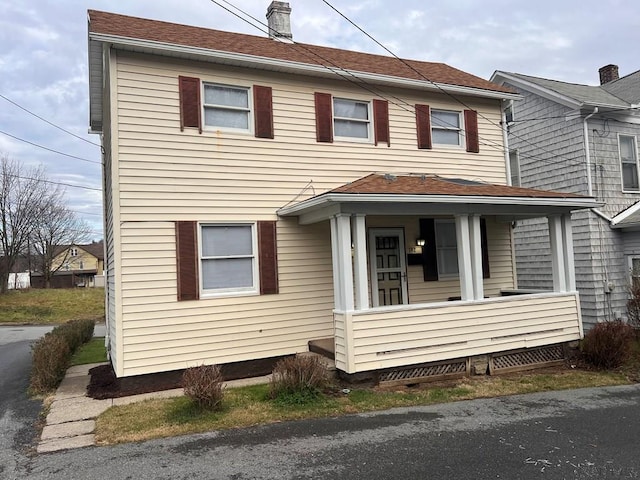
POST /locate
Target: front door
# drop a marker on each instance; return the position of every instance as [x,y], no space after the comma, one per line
[388,267]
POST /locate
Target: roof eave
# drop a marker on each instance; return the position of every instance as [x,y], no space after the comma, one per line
[504,77]
[240,59]
[335,198]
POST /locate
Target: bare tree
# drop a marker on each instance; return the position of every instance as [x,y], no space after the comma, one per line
[58,228]
[22,192]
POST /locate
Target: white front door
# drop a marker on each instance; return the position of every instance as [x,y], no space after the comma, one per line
[388,266]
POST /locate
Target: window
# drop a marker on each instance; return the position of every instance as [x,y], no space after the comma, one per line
[629,163]
[634,271]
[73,252]
[508,114]
[445,126]
[351,119]
[514,167]
[81,265]
[446,248]
[226,107]
[227,258]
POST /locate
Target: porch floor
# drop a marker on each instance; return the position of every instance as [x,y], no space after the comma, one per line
[324,347]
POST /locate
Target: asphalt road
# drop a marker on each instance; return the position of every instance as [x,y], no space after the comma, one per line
[577,434]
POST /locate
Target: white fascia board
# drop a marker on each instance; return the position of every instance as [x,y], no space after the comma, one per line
[503,77]
[625,214]
[295,67]
[331,198]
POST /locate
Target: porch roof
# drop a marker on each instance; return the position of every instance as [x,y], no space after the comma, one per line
[386,194]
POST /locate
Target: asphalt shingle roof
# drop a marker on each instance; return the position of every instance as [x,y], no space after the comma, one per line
[184,35]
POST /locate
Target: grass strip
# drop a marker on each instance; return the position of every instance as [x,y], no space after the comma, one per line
[91,352]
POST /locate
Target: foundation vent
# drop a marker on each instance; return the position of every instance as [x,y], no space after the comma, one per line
[526,359]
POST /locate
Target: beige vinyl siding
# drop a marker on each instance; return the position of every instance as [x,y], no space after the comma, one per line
[161,333]
[385,339]
[165,175]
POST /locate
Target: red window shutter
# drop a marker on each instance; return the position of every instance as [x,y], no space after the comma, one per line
[268,257]
[187,260]
[190,115]
[324,117]
[471,129]
[423,126]
[263,107]
[381,120]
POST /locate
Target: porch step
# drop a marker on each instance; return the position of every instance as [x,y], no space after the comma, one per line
[324,347]
[329,364]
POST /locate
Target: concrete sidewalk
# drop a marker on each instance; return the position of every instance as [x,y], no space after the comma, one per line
[71,419]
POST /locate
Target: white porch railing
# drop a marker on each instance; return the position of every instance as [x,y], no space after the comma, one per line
[409,334]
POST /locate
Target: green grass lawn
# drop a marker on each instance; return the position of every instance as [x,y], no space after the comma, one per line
[91,352]
[51,306]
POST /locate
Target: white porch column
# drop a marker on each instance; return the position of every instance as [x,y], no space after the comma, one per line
[464,257]
[476,257]
[557,253]
[360,261]
[338,302]
[345,270]
[569,264]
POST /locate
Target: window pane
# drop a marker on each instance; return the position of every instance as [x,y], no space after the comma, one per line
[448,261]
[445,119]
[226,96]
[227,273]
[627,149]
[514,165]
[226,241]
[446,234]
[217,117]
[446,137]
[347,128]
[350,109]
[630,176]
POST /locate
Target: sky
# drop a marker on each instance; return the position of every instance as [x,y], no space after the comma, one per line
[43,57]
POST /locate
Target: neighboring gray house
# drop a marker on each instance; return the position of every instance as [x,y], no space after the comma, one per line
[580,139]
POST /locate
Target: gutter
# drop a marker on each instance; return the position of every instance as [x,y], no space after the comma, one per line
[602,215]
[586,151]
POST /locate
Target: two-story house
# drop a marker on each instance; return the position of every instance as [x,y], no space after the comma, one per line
[76,265]
[580,139]
[262,194]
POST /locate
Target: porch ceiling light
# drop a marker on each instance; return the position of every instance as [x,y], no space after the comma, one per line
[420,242]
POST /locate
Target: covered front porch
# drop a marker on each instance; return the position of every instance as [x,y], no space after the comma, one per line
[397,239]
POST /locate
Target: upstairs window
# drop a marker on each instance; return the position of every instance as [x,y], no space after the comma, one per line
[226,107]
[351,119]
[629,163]
[73,252]
[445,127]
[514,167]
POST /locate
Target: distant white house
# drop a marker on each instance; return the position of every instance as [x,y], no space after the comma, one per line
[19,280]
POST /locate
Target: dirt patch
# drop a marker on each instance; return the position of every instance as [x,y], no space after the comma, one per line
[104,383]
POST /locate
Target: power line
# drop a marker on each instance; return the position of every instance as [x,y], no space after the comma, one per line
[21,177]
[50,123]
[49,149]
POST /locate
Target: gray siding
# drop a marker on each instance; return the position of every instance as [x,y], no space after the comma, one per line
[551,148]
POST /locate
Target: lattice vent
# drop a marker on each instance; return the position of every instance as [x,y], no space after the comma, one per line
[524,358]
[458,367]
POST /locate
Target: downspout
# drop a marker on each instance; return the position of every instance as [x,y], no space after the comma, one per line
[505,141]
[586,150]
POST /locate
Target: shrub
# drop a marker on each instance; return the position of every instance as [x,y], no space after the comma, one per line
[608,344]
[204,386]
[633,304]
[298,379]
[51,354]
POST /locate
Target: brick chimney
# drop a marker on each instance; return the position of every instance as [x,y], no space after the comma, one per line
[278,20]
[608,73]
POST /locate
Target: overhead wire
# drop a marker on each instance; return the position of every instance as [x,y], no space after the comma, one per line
[49,149]
[49,122]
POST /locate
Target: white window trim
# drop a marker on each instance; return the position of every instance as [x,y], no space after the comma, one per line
[511,172]
[630,259]
[462,138]
[230,292]
[445,276]
[369,121]
[249,109]
[635,146]
[73,252]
